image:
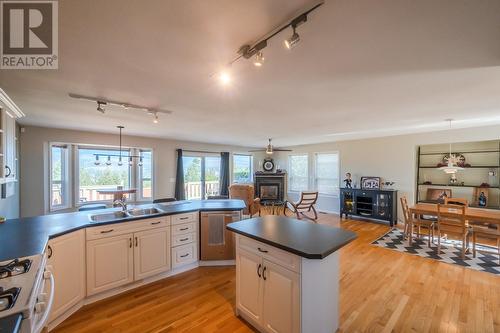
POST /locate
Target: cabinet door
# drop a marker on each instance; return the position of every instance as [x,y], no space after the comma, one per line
[110,263]
[281,302]
[67,262]
[8,146]
[249,286]
[383,206]
[151,252]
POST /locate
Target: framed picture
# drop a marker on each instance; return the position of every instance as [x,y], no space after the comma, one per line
[438,194]
[370,183]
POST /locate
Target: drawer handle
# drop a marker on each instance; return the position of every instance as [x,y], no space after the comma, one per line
[184,218]
[183,240]
[50,252]
[184,255]
[258,270]
[136,242]
[264,273]
[107,231]
[130,242]
[153,223]
[182,229]
[263,251]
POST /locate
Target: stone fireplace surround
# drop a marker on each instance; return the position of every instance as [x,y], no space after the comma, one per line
[272,179]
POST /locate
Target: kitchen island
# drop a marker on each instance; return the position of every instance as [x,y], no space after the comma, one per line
[287,274]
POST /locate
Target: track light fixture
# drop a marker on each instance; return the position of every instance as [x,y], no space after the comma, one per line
[100,108]
[259,59]
[102,102]
[155,119]
[249,50]
[292,41]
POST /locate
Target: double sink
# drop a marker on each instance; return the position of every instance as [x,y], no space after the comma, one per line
[123,214]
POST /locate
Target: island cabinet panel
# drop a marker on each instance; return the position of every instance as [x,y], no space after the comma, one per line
[66,258]
[281,309]
[249,285]
[267,290]
[151,252]
[110,263]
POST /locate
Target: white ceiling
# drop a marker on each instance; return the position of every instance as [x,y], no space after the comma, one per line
[363,68]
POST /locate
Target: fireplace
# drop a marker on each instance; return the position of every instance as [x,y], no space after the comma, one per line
[270,187]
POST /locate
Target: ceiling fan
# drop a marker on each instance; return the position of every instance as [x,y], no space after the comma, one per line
[269,149]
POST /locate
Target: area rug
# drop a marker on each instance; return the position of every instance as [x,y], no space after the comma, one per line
[450,251]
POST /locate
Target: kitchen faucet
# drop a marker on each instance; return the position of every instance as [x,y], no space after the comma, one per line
[121,203]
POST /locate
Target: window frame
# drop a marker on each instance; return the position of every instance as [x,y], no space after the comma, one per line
[290,177]
[65,177]
[251,165]
[315,168]
[139,176]
[202,156]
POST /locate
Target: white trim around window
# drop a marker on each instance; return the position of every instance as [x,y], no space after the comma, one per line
[291,176]
[64,184]
[335,181]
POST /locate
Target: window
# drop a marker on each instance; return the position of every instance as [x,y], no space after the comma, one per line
[59,175]
[327,173]
[107,175]
[298,173]
[146,175]
[242,168]
[201,176]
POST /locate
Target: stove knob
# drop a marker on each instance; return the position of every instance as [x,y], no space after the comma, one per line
[39,307]
[42,297]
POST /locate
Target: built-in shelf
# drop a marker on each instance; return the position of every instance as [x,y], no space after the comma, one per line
[469,167]
[461,152]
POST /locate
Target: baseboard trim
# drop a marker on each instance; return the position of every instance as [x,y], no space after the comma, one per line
[218,263]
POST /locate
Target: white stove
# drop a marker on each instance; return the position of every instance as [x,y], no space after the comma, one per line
[23,290]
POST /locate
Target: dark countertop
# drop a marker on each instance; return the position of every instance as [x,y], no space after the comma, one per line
[303,238]
[11,324]
[28,236]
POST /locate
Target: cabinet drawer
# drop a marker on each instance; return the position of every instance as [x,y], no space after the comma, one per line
[121,228]
[184,254]
[183,239]
[271,253]
[184,218]
[185,228]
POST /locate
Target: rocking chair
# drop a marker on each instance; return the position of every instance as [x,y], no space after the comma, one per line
[305,204]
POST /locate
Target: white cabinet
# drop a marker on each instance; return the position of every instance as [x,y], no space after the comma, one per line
[249,284]
[151,252]
[281,299]
[9,112]
[184,239]
[66,257]
[110,263]
[267,294]
[119,254]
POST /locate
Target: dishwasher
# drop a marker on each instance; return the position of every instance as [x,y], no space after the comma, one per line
[216,242]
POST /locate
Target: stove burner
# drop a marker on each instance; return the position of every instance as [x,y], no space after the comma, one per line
[8,298]
[15,267]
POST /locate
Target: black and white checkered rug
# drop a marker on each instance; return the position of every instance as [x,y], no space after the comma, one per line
[450,251]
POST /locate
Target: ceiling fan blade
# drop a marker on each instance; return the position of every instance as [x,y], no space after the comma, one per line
[256,150]
[279,149]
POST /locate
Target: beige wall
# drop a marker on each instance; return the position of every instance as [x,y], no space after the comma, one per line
[34,149]
[392,158]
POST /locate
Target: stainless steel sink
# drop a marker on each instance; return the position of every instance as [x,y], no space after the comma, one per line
[105,217]
[143,211]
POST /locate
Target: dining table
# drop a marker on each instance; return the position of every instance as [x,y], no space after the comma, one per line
[472,214]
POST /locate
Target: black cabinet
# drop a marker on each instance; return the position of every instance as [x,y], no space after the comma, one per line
[380,205]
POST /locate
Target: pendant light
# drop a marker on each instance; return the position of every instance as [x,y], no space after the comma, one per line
[131,158]
[452,159]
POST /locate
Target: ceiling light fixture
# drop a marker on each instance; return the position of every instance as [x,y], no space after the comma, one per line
[452,159]
[108,157]
[100,108]
[155,119]
[224,77]
[249,50]
[259,59]
[101,102]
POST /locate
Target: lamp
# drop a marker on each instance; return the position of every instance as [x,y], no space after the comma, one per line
[452,159]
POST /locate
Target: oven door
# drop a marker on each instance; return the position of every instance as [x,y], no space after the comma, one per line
[217,243]
[41,309]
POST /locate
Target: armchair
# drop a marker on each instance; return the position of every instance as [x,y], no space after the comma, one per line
[246,193]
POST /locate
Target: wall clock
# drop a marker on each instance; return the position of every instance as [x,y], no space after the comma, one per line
[268,164]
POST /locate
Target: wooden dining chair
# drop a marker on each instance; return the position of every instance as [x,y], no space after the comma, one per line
[411,222]
[456,201]
[451,219]
[305,204]
[486,232]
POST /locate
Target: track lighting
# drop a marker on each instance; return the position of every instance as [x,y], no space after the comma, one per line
[293,40]
[155,120]
[100,108]
[259,59]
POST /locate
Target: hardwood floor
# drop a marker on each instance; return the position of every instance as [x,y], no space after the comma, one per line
[381,291]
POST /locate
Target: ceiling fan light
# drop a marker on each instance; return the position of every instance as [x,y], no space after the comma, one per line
[100,108]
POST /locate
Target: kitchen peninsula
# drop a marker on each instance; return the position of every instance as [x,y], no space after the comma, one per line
[287,274]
